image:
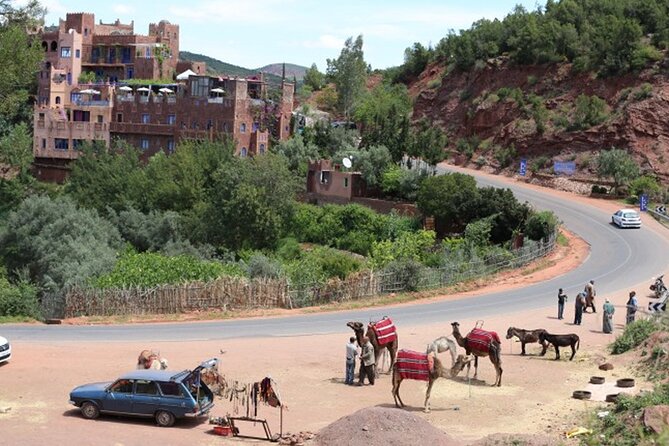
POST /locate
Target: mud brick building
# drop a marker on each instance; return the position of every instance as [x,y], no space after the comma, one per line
[153,116]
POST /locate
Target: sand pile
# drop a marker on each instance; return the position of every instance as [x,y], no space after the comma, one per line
[379,426]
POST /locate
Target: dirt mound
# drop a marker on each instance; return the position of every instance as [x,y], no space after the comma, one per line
[379,426]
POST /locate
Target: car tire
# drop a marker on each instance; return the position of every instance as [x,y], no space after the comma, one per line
[90,410]
[164,418]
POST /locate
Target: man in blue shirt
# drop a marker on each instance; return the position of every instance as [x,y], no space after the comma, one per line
[351,353]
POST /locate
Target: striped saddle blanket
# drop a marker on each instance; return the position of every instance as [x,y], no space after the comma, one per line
[479,340]
[414,365]
[385,330]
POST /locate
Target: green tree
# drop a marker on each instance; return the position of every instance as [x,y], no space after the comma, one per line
[372,162]
[57,243]
[298,153]
[618,165]
[505,212]
[348,72]
[314,78]
[428,143]
[540,225]
[451,198]
[16,147]
[646,184]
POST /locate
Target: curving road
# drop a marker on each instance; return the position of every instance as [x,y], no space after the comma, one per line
[618,260]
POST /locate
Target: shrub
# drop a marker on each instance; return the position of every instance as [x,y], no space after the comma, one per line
[504,155]
[434,83]
[540,225]
[18,300]
[646,185]
[539,163]
[261,266]
[404,274]
[288,249]
[634,334]
[644,92]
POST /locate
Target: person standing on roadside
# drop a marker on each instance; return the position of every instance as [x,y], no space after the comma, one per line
[607,317]
[351,353]
[562,298]
[590,296]
[367,362]
[632,306]
[579,305]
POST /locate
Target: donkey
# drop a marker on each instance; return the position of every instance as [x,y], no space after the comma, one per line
[527,337]
[561,340]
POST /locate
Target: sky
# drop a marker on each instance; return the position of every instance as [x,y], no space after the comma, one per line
[255,33]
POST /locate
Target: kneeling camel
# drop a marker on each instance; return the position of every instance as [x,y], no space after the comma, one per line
[437,371]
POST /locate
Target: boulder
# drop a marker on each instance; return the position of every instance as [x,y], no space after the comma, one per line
[656,418]
[606,366]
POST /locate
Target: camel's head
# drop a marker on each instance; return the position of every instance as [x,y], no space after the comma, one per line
[163,363]
[356,326]
[460,363]
[456,326]
[509,332]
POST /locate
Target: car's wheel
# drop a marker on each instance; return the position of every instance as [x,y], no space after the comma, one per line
[164,418]
[90,410]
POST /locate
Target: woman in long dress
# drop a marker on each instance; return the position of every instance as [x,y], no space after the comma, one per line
[607,317]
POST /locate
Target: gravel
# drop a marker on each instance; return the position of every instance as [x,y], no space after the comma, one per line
[379,426]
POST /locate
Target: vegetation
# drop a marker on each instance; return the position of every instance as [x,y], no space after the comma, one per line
[348,72]
[617,164]
[634,334]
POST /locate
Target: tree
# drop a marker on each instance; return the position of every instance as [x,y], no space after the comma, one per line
[428,143]
[451,198]
[540,225]
[57,243]
[16,147]
[348,72]
[617,164]
[314,78]
[506,214]
[297,153]
[371,163]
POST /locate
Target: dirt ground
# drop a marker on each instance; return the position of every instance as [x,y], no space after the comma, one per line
[535,397]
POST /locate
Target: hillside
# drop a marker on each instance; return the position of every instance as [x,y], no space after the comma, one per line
[217,67]
[292,70]
[500,112]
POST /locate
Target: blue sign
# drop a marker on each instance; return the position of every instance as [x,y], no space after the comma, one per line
[565,167]
[523,167]
[643,202]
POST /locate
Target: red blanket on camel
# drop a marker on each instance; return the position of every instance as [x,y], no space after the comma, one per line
[385,330]
[478,340]
[414,365]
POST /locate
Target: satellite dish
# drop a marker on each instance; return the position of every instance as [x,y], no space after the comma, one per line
[347,162]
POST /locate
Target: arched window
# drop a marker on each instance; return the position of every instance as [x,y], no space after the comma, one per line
[262,149]
[54,45]
[57,100]
[45,46]
[242,127]
[243,152]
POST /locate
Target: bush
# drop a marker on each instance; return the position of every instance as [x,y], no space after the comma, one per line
[261,266]
[504,155]
[540,225]
[596,189]
[18,300]
[404,274]
[644,92]
[539,163]
[634,334]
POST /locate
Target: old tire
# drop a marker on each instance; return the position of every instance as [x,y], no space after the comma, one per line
[612,398]
[582,394]
[90,410]
[597,380]
[625,382]
[164,418]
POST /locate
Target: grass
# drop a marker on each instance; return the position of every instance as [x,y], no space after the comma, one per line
[15,319]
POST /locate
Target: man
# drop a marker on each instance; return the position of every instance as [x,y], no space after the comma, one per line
[607,317]
[367,362]
[632,306]
[351,353]
[579,304]
[590,296]
[562,298]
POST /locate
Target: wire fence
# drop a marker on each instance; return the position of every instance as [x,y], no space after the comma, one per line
[236,293]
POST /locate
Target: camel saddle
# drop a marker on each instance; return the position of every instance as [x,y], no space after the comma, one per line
[385,330]
[479,340]
[414,365]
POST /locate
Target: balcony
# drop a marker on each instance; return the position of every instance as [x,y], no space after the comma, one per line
[90,103]
[141,129]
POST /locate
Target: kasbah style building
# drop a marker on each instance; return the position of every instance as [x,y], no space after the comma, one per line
[151,116]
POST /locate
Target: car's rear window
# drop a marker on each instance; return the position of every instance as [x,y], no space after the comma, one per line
[146,387]
[631,215]
[171,388]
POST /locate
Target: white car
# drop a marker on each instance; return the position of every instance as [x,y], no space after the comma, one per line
[626,218]
[5,350]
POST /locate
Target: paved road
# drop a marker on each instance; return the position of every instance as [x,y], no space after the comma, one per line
[618,260]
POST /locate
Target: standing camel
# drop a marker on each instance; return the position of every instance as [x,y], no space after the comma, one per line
[358,328]
[443,344]
[481,343]
[403,370]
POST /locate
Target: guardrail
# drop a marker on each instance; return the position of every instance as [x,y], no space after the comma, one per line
[662,217]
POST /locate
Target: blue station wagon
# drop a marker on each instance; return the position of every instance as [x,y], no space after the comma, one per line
[159,394]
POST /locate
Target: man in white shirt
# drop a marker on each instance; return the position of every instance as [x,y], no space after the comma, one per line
[351,353]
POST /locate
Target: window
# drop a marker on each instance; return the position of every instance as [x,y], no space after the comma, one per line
[81,116]
[146,118]
[77,143]
[69,78]
[129,73]
[255,126]
[146,387]
[145,144]
[147,53]
[65,52]
[325,177]
[345,182]
[242,127]
[121,386]
[119,117]
[54,46]
[77,54]
[43,143]
[243,152]
[170,388]
[170,146]
[171,119]
[99,119]
[41,116]
[262,148]
[57,100]
[62,144]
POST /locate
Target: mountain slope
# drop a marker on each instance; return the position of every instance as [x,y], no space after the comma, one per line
[215,66]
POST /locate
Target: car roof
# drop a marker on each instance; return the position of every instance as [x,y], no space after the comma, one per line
[156,375]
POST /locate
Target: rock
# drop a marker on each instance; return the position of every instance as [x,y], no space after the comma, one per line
[606,366]
[656,418]
[365,428]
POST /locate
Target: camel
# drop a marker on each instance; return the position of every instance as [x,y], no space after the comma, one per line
[438,371]
[358,328]
[487,345]
[442,344]
[150,360]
